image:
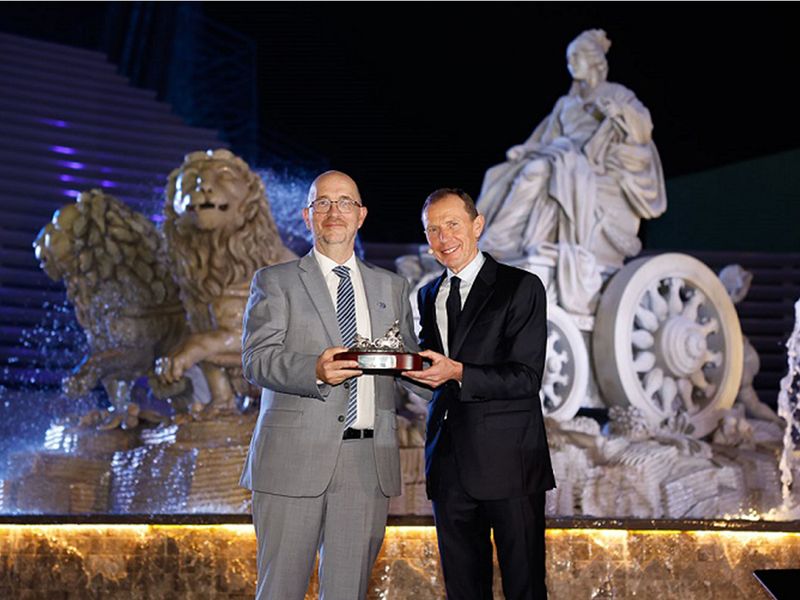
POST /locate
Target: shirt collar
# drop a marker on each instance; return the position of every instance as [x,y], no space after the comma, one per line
[327,264]
[468,274]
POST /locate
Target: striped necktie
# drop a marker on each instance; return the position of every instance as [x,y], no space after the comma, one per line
[346,317]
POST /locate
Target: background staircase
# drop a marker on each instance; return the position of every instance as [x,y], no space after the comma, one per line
[69,123]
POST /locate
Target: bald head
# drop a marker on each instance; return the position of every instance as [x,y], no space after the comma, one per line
[336,177]
[334,214]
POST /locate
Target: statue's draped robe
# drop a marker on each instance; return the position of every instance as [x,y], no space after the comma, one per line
[578,191]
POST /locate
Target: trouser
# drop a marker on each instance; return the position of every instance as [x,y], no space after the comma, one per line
[346,523]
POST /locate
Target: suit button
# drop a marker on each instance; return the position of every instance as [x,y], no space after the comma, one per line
[341,418]
[347,385]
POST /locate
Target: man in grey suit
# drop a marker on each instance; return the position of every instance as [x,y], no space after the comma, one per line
[324,458]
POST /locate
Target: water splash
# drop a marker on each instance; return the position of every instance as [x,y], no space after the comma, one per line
[788,409]
[286,192]
[32,398]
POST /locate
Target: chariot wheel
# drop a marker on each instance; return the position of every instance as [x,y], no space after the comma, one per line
[566,373]
[667,341]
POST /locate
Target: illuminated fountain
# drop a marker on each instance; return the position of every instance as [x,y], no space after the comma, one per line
[789,409]
[191,465]
[176,432]
[180,417]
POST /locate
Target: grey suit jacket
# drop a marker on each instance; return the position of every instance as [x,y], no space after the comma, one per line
[289,321]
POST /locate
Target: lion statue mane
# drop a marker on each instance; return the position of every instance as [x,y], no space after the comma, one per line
[219,232]
[113,264]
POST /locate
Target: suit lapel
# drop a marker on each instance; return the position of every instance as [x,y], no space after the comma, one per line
[313,280]
[482,290]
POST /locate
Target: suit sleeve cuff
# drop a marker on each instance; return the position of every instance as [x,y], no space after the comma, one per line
[467,384]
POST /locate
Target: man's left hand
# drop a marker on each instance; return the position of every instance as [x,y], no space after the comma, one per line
[442,369]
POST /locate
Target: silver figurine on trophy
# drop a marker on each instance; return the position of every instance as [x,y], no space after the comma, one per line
[385,355]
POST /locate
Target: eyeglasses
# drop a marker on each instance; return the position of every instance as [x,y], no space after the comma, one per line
[323,205]
[450,226]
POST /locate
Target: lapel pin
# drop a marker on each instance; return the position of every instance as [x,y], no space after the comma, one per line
[381,305]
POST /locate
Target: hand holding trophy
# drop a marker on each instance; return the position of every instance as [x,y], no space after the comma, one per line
[383,356]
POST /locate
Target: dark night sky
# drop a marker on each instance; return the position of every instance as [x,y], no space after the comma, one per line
[408,97]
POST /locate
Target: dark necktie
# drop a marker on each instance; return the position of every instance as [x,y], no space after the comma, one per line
[346,316]
[453,312]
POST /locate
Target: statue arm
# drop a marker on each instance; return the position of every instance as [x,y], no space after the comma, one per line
[624,109]
[622,142]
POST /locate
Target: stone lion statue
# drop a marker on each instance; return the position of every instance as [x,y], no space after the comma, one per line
[112,261]
[219,232]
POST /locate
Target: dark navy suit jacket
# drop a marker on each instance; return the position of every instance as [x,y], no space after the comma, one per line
[495,417]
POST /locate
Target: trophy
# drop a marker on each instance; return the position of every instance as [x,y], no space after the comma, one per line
[385,355]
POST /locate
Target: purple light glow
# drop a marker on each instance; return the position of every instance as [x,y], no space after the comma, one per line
[157,218]
[106,183]
[70,164]
[66,178]
[54,122]
[71,193]
[63,150]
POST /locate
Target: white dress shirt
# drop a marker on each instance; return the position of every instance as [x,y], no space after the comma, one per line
[467,276]
[365,416]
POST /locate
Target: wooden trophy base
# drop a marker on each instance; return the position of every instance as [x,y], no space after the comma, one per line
[383,363]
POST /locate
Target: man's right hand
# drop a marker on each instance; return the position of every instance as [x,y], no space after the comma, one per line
[334,372]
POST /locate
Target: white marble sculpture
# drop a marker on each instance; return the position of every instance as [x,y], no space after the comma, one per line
[658,333]
[576,190]
[737,282]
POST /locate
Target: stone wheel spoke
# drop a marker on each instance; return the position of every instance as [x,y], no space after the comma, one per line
[653,382]
[646,319]
[710,326]
[658,306]
[644,361]
[692,306]
[669,390]
[713,358]
[667,339]
[674,301]
[642,339]
[685,388]
[699,381]
[566,368]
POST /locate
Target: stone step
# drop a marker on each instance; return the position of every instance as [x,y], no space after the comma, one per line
[99,126]
[19,67]
[69,58]
[74,143]
[77,159]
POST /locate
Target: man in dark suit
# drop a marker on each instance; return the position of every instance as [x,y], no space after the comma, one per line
[484,328]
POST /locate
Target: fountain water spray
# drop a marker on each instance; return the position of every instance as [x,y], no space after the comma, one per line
[788,409]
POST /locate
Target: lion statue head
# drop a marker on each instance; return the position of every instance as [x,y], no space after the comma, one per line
[218,226]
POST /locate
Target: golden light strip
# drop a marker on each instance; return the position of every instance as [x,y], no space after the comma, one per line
[401,530]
